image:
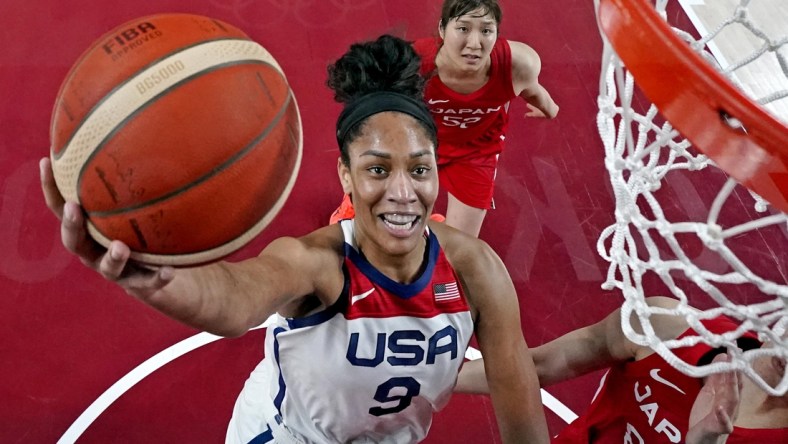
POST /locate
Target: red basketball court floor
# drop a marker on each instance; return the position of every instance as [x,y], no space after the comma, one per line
[68,336]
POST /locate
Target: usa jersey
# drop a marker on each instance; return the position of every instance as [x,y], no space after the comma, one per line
[645,401]
[475,123]
[373,367]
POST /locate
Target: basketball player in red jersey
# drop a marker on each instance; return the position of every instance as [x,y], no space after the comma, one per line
[382,306]
[643,399]
[472,75]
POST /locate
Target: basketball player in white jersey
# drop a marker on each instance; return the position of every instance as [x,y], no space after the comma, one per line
[373,315]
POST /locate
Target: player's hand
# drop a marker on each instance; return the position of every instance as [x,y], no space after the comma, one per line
[716,407]
[538,113]
[113,263]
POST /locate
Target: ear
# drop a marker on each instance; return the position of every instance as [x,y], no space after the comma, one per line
[440,28]
[344,176]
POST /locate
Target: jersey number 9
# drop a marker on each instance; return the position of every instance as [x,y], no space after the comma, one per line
[383,394]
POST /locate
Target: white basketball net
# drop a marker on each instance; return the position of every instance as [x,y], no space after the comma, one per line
[645,246]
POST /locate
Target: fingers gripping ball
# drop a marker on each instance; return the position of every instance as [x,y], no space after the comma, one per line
[178,135]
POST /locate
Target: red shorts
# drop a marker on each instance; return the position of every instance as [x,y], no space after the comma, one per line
[470,180]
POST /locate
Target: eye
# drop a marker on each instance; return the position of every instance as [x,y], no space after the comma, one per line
[462,28]
[376,170]
[421,170]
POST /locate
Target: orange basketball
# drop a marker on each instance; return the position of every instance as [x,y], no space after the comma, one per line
[178,135]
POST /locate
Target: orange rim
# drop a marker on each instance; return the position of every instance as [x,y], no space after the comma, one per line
[695,98]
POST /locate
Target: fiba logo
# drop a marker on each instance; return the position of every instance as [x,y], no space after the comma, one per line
[129,39]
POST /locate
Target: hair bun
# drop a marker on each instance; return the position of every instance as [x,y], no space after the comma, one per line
[386,64]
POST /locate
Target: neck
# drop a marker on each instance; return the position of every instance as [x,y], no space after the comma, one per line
[404,268]
[759,410]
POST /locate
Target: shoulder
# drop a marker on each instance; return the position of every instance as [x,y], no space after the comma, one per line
[526,63]
[311,255]
[523,54]
[466,253]
[326,241]
[616,342]
[481,272]
[665,326]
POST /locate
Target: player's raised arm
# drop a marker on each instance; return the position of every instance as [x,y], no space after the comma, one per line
[222,298]
[580,351]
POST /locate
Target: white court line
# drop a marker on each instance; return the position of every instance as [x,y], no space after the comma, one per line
[128,381]
[557,407]
[548,400]
[124,384]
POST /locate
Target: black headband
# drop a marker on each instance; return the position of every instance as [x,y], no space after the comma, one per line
[378,102]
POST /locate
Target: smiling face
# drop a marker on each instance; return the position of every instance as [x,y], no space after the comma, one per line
[468,40]
[392,178]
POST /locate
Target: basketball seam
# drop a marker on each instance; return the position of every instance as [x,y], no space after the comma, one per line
[123,102]
[133,76]
[226,248]
[213,172]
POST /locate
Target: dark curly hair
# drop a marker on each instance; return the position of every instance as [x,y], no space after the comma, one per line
[387,64]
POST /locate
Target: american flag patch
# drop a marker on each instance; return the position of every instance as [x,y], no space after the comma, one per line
[446,292]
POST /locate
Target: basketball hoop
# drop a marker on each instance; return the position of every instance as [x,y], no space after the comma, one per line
[698,119]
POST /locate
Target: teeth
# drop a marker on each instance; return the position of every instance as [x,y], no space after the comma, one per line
[398,226]
[400,219]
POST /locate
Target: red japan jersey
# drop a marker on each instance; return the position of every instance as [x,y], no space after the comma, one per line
[741,435]
[645,401]
[469,124]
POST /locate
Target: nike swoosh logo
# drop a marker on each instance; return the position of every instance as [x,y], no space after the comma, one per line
[434,101]
[655,374]
[361,296]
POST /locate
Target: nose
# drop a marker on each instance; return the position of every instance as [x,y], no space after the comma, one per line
[474,40]
[400,188]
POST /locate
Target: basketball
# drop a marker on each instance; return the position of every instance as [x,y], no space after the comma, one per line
[178,135]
